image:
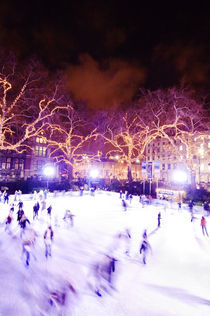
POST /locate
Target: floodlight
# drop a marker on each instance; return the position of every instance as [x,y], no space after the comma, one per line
[49,171]
[94,173]
[180,176]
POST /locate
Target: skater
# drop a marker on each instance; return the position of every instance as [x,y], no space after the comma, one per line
[36,210]
[104,274]
[203,225]
[49,210]
[20,204]
[69,216]
[12,208]
[27,245]
[124,204]
[179,206]
[126,195]
[20,213]
[121,194]
[6,197]
[81,191]
[191,204]
[144,234]
[159,218]
[144,248]
[8,222]
[48,238]
[130,198]
[59,298]
[22,224]
[26,250]
[126,237]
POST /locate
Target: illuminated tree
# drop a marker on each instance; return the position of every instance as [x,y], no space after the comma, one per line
[71,139]
[126,134]
[179,116]
[27,102]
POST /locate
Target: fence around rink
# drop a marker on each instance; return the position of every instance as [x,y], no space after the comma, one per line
[155,202]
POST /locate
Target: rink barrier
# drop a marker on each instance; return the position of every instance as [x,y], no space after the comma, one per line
[155,202]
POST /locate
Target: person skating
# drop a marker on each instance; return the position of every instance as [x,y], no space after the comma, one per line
[20,213]
[22,224]
[144,248]
[48,238]
[8,222]
[126,236]
[69,216]
[36,210]
[159,218]
[203,225]
[104,274]
[124,204]
[28,243]
[6,197]
[12,208]
[49,210]
[20,204]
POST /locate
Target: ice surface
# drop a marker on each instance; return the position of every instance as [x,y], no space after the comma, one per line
[175,280]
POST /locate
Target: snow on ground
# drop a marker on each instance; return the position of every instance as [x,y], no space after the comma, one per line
[174,282]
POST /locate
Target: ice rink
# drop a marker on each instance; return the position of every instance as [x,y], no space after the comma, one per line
[174,282]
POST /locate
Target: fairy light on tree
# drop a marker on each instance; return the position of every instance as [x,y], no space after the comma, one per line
[70,140]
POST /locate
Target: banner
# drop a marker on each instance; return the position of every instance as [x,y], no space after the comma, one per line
[149,170]
[157,168]
[144,168]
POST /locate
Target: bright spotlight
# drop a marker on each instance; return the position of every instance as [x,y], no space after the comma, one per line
[49,171]
[94,173]
[180,176]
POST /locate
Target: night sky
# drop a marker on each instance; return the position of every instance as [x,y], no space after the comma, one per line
[109,49]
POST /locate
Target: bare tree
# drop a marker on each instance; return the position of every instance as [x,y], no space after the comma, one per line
[126,134]
[71,139]
[27,102]
[179,116]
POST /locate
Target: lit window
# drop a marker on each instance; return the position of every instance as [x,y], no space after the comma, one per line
[8,165]
[180,147]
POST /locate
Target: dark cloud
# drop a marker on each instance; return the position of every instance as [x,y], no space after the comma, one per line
[190,60]
[104,84]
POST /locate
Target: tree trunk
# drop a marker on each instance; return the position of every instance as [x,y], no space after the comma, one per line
[129,174]
[70,172]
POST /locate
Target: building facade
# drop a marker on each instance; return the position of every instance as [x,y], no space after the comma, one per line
[193,158]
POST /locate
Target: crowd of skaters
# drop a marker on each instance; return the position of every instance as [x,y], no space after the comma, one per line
[105,268]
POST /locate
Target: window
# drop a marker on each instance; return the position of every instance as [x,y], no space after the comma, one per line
[169,166]
[40,140]
[163,166]
[180,147]
[16,165]
[8,164]
[40,151]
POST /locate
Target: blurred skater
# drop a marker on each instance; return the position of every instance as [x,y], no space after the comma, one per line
[144,248]
[8,223]
[28,243]
[124,204]
[36,210]
[104,274]
[48,238]
[203,225]
[69,217]
[159,218]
